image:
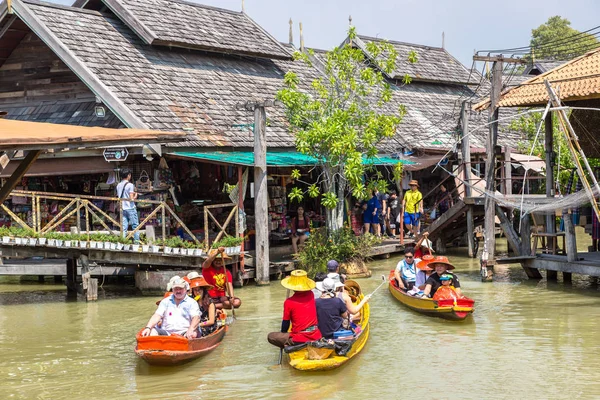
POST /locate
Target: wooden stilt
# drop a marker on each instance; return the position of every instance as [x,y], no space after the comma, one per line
[57,279]
[71,280]
[551,276]
[567,277]
[471,232]
[41,279]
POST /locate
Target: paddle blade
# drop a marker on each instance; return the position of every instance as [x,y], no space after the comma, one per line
[383,278]
[229,320]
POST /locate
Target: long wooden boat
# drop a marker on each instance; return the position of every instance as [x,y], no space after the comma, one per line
[175,349]
[300,359]
[447,309]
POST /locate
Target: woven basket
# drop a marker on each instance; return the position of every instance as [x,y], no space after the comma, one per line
[315,353]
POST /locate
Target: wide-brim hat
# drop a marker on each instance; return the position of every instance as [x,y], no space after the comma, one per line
[428,244]
[352,287]
[221,255]
[200,282]
[193,275]
[441,260]
[167,294]
[414,182]
[423,265]
[298,281]
[328,285]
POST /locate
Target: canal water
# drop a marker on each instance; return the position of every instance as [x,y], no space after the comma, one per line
[527,339]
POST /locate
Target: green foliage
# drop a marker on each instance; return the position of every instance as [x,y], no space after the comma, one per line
[340,119]
[342,245]
[227,188]
[296,174]
[228,241]
[559,31]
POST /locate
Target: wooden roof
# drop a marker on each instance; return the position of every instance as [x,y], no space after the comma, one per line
[191,25]
[578,79]
[25,135]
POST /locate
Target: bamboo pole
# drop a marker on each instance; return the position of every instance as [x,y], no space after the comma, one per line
[101,221]
[78,223]
[182,224]
[15,217]
[104,214]
[144,222]
[63,218]
[55,221]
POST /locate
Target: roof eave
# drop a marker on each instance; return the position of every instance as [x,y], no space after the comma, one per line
[184,45]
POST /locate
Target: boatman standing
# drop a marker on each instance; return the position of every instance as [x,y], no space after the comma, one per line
[179,313]
[299,310]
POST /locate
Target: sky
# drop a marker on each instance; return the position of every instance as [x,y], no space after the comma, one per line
[467,24]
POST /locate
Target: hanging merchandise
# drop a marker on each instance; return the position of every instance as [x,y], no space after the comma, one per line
[143,184]
[87,187]
[172,191]
[112,178]
[163,176]
[194,172]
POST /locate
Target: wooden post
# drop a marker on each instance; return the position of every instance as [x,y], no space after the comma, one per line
[466,147]
[261,211]
[237,279]
[471,232]
[18,174]
[551,276]
[570,240]
[548,143]
[78,223]
[526,235]
[507,172]
[490,169]
[261,199]
[71,280]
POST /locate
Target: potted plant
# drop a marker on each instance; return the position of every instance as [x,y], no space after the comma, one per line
[68,242]
[167,248]
[5,233]
[83,241]
[232,244]
[188,247]
[198,249]
[42,240]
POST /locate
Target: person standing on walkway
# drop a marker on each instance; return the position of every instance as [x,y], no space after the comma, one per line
[126,190]
[413,208]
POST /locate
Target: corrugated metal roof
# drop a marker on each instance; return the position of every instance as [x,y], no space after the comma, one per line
[578,79]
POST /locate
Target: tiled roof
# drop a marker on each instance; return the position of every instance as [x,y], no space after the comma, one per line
[191,25]
[578,79]
[434,63]
[176,89]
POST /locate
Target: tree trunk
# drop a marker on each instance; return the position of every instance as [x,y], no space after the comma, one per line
[334,184]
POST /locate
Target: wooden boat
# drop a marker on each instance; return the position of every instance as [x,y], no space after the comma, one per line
[175,349]
[300,359]
[446,309]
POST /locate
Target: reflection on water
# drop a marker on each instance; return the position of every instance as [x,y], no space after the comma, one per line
[526,339]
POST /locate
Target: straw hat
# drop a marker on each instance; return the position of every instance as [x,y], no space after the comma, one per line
[298,281]
[423,265]
[167,294]
[200,282]
[193,275]
[427,244]
[441,260]
[221,255]
[352,287]
[413,182]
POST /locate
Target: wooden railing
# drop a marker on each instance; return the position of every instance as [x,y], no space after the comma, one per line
[222,228]
[78,204]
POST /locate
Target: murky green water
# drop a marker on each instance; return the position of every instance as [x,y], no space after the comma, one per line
[526,340]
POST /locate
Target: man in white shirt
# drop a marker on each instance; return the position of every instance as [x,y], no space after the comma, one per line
[179,313]
[126,190]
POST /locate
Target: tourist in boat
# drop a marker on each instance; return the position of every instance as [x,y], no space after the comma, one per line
[300,229]
[405,272]
[424,270]
[299,311]
[331,310]
[179,313]
[319,277]
[441,266]
[217,275]
[208,310]
[413,208]
[423,246]
[333,271]
[447,290]
[371,214]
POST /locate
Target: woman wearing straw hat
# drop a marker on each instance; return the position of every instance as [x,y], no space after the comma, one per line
[299,310]
[213,270]
[441,265]
[413,208]
[208,311]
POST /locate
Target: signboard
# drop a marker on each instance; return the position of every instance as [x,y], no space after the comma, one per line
[116,154]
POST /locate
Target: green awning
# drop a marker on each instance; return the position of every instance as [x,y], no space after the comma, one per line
[274,158]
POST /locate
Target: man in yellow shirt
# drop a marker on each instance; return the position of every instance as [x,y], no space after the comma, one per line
[413,208]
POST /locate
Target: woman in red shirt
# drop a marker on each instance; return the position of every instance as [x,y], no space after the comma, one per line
[300,229]
[299,310]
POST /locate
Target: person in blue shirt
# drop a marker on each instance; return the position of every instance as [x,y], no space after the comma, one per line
[406,273]
[371,215]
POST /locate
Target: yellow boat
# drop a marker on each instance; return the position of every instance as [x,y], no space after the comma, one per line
[300,359]
[447,308]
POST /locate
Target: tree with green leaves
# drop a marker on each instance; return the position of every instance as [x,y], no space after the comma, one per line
[341,120]
[556,39]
